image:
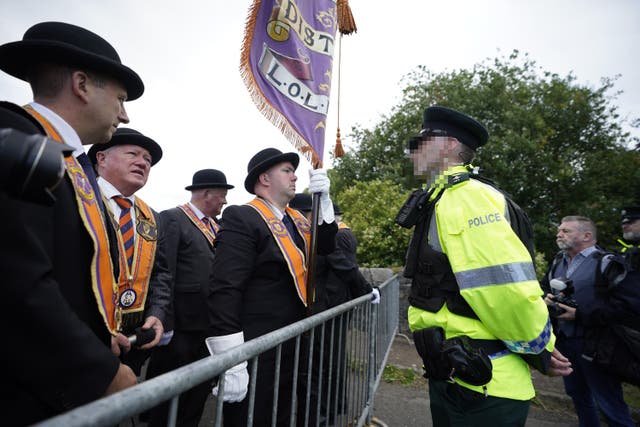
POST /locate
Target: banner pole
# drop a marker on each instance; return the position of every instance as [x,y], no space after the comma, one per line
[311,269]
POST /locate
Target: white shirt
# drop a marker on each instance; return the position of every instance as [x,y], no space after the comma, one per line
[68,134]
[197,211]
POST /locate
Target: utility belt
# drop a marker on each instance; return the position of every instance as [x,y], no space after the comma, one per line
[461,357]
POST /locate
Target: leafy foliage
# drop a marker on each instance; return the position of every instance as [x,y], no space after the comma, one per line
[556,146]
[372,207]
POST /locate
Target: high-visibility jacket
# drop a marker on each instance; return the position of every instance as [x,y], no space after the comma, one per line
[496,277]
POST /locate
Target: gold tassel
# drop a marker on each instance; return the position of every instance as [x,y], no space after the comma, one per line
[338,151]
[346,23]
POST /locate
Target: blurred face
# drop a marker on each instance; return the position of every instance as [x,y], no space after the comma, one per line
[126,167]
[631,231]
[281,179]
[106,99]
[430,156]
[214,200]
[569,236]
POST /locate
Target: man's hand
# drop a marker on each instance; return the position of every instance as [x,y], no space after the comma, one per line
[375,296]
[569,312]
[559,365]
[236,379]
[120,344]
[319,183]
[550,299]
[152,322]
[124,378]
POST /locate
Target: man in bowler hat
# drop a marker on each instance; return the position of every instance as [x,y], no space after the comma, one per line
[259,279]
[191,232]
[79,87]
[123,165]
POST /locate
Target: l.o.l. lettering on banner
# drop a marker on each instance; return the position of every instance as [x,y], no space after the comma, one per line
[282,74]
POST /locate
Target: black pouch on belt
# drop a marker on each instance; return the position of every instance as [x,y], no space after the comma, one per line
[429,344]
[471,365]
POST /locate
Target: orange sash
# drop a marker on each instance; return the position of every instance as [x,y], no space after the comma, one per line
[211,237]
[133,284]
[103,283]
[293,256]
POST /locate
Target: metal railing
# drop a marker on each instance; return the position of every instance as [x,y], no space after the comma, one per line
[347,349]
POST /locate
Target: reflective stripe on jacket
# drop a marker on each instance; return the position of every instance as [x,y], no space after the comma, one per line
[496,278]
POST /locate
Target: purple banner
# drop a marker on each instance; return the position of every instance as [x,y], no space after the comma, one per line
[286,64]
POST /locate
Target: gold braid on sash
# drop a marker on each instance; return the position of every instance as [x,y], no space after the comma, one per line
[293,256]
[201,225]
[133,283]
[103,283]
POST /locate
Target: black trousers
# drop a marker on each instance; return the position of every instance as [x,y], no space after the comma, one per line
[236,414]
[185,347]
[454,405]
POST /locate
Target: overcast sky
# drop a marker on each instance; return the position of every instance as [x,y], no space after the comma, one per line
[197,108]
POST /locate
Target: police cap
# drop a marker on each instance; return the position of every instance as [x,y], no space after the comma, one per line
[442,121]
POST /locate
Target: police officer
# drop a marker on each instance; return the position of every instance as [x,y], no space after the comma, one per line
[630,242]
[473,286]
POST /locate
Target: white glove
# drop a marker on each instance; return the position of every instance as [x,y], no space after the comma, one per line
[236,379]
[319,183]
[375,296]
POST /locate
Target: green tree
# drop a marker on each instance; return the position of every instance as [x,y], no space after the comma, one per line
[372,206]
[556,146]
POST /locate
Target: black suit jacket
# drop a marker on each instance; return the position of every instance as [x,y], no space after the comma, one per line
[338,277]
[190,260]
[58,347]
[253,290]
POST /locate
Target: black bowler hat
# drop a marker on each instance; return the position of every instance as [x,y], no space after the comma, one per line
[263,160]
[70,45]
[208,178]
[301,202]
[15,117]
[630,214]
[441,121]
[126,136]
[336,209]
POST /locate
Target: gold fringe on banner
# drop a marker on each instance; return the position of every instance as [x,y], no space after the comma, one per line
[346,23]
[263,105]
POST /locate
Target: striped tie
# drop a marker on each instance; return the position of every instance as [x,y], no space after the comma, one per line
[207,223]
[126,226]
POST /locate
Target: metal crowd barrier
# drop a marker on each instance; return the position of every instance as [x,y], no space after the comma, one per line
[359,331]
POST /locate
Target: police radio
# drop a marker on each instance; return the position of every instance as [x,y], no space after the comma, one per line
[412,209]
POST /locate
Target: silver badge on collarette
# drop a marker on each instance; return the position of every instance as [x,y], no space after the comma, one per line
[127,298]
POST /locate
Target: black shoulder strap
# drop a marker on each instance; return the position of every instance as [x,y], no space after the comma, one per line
[413,252]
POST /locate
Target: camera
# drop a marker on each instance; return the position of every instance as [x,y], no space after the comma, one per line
[31,166]
[566,289]
[412,209]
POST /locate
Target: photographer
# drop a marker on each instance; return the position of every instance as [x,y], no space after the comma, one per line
[579,264]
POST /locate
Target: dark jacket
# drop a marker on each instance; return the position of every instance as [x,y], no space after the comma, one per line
[253,290]
[59,352]
[190,260]
[338,278]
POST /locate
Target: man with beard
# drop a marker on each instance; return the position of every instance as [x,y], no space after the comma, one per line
[579,261]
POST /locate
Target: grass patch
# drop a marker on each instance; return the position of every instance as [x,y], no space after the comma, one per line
[404,376]
[631,395]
